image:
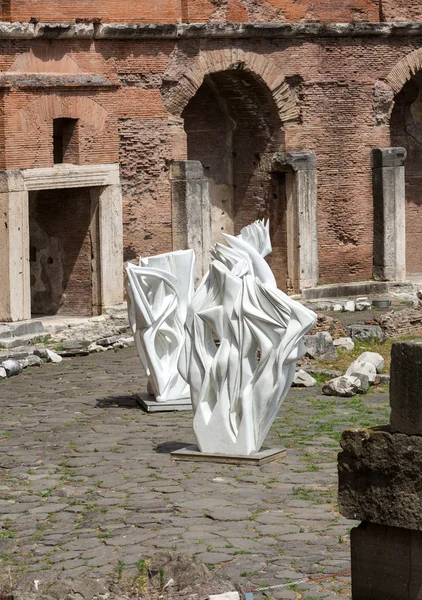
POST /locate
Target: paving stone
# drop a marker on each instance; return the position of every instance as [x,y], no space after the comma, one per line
[78,442]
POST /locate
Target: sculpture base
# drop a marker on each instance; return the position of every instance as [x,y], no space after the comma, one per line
[150,405]
[265,455]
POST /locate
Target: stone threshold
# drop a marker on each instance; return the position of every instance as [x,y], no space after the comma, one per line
[175,31]
[42,329]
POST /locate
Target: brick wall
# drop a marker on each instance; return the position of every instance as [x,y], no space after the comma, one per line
[171,11]
[334,80]
[60,253]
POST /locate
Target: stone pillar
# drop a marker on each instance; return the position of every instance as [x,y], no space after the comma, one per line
[380,482]
[110,225]
[389,214]
[15,285]
[191,212]
[302,216]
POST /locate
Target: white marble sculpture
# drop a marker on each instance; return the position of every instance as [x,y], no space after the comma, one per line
[238,386]
[159,292]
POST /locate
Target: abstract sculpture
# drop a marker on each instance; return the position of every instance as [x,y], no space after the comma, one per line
[159,292]
[238,386]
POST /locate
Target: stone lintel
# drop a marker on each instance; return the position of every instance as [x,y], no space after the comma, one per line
[277,162]
[186,170]
[68,175]
[406,386]
[47,80]
[388,157]
[111,31]
[380,477]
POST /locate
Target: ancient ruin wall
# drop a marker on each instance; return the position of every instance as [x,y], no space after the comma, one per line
[343,114]
[190,11]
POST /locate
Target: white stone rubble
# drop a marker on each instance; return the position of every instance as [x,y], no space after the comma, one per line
[303,379]
[346,343]
[48,355]
[344,386]
[374,358]
[366,368]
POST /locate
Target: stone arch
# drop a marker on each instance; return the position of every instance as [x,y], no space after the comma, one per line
[57,105]
[214,61]
[405,122]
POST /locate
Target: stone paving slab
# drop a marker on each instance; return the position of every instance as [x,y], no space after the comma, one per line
[86,480]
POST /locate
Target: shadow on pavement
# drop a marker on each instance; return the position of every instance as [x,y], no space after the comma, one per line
[118,402]
[168,447]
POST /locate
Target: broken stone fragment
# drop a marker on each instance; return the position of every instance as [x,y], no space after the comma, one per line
[126,341]
[344,386]
[303,379]
[364,382]
[48,355]
[30,361]
[108,341]
[320,345]
[363,304]
[94,347]
[346,343]
[349,306]
[374,358]
[362,333]
[365,368]
[12,367]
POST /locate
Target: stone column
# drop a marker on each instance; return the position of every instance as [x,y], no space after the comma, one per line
[302,217]
[191,212]
[15,285]
[110,225]
[389,214]
[380,483]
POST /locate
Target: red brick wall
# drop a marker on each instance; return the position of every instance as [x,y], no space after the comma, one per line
[282,10]
[61,275]
[115,11]
[334,81]
[171,11]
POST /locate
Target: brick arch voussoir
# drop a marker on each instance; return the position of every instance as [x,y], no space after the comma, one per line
[404,70]
[56,106]
[214,61]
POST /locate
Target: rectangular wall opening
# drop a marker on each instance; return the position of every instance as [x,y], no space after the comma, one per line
[62,251]
[65,141]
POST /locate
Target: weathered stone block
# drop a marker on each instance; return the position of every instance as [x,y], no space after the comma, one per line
[389,556]
[380,477]
[406,387]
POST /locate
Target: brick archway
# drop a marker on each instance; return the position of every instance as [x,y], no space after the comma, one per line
[214,61]
[404,70]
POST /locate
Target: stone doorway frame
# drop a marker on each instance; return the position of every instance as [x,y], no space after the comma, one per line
[105,194]
[389,193]
[302,213]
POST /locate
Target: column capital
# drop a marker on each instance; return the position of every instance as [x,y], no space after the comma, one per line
[388,157]
[280,162]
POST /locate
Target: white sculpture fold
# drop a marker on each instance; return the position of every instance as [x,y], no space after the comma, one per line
[159,292]
[238,386]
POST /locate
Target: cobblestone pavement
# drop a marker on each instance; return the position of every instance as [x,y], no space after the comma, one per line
[86,479]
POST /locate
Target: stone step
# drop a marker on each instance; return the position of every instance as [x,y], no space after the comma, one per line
[13,335]
[361,288]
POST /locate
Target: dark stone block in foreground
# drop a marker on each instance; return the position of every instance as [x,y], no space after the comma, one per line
[380,477]
[386,563]
[406,387]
